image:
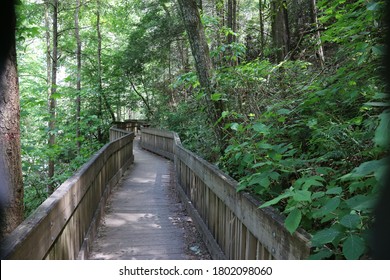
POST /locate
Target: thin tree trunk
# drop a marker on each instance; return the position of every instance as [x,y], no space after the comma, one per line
[232,20]
[11,179]
[261,7]
[232,25]
[99,54]
[48,47]
[320,50]
[78,83]
[219,8]
[144,100]
[52,99]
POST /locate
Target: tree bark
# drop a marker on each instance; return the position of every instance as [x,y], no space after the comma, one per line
[261,19]
[78,83]
[314,19]
[200,4]
[280,29]
[99,57]
[11,179]
[52,99]
[232,20]
[200,52]
[48,46]
[198,43]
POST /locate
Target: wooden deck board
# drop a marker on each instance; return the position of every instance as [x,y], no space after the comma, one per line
[140,220]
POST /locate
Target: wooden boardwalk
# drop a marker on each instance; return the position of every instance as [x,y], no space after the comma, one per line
[141,220]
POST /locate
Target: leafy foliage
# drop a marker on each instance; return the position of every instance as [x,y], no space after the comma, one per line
[305,138]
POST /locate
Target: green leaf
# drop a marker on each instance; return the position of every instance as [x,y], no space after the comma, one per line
[323,253]
[260,128]
[261,179]
[56,95]
[361,202]
[324,236]
[366,168]
[377,104]
[353,247]
[216,96]
[274,175]
[283,111]
[382,133]
[329,207]
[241,186]
[276,199]
[264,146]
[350,221]
[225,114]
[373,6]
[234,126]
[302,195]
[293,220]
[307,182]
[336,190]
[354,186]
[317,195]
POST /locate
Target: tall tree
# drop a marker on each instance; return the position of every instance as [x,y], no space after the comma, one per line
[78,82]
[200,52]
[314,21]
[103,97]
[280,29]
[11,180]
[53,97]
[232,20]
[261,21]
[198,43]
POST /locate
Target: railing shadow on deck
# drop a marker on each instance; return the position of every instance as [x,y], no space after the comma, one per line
[231,223]
[65,224]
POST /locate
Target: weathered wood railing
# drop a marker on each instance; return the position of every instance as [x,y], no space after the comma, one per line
[132,125]
[230,222]
[65,224]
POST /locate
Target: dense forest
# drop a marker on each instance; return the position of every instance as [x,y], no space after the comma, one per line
[286,96]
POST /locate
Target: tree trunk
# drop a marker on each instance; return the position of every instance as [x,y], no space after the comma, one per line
[232,20]
[52,99]
[280,29]
[48,47]
[261,18]
[11,179]
[200,4]
[78,83]
[200,52]
[314,19]
[99,54]
[198,43]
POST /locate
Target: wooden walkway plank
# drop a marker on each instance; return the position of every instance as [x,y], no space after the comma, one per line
[140,220]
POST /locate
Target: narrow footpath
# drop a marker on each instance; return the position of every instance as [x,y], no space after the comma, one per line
[144,219]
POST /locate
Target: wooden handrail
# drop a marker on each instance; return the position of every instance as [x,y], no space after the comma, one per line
[64,225]
[231,223]
[131,125]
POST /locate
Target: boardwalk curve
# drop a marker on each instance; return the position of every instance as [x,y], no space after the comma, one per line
[141,217]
